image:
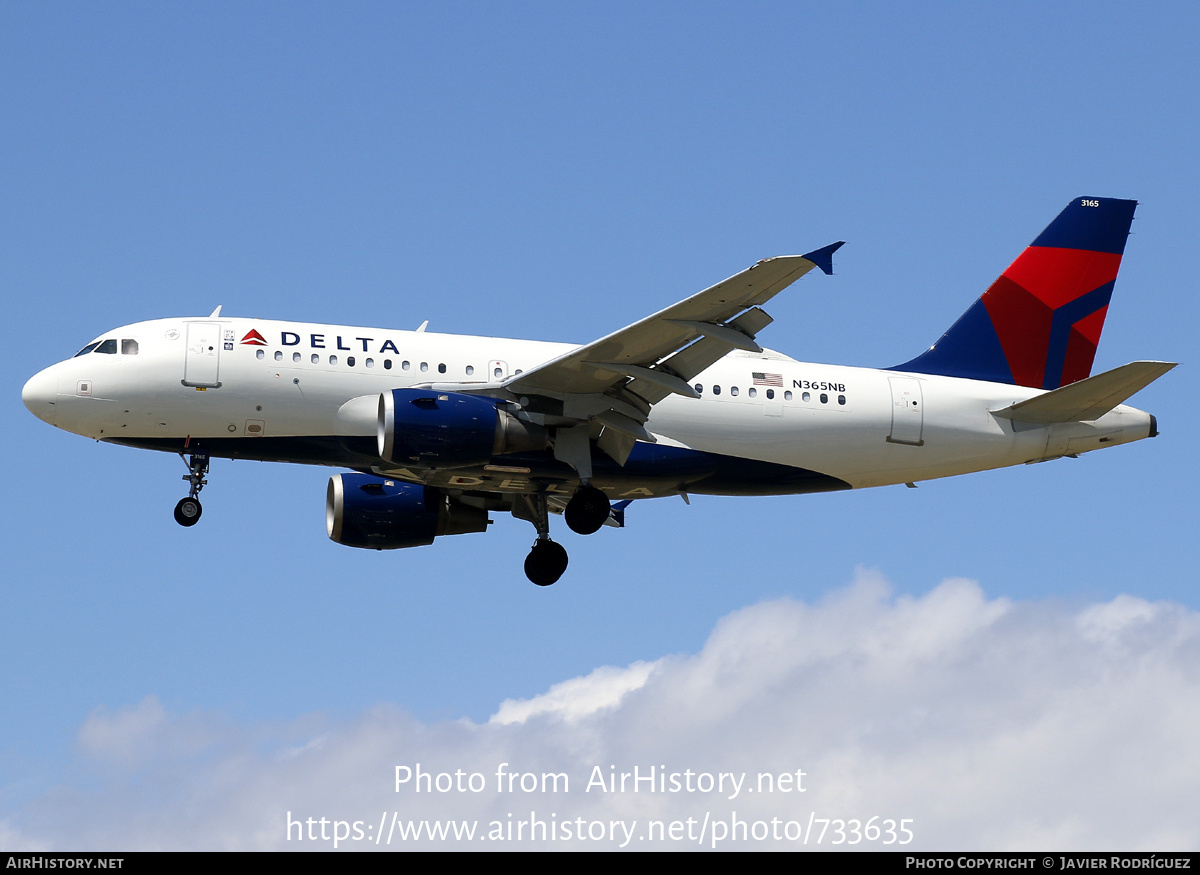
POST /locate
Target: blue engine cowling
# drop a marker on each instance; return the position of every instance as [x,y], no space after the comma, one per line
[381,514]
[450,429]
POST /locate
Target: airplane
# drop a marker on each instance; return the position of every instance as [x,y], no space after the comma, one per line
[441,430]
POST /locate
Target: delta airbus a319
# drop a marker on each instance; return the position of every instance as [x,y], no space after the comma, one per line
[442,430]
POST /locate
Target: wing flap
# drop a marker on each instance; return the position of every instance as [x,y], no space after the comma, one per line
[691,360]
[1087,399]
[616,444]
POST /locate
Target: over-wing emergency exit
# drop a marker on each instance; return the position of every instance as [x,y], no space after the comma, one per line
[442,430]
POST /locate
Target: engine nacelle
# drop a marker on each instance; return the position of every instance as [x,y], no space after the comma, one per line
[450,429]
[366,511]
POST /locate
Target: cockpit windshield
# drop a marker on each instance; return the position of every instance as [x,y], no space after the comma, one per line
[109,347]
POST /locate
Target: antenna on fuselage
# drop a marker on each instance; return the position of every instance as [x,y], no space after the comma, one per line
[215,313]
[424,324]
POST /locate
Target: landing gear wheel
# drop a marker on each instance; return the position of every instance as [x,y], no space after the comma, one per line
[587,510]
[187,512]
[546,562]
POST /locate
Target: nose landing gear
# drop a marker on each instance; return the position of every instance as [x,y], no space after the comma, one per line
[188,510]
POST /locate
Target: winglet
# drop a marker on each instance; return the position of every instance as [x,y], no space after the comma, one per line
[823,257]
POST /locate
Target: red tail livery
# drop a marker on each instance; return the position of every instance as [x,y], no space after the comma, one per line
[1039,323]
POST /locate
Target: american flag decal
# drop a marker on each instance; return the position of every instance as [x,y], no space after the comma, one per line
[761,379]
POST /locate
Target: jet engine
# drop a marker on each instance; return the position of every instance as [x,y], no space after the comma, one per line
[450,429]
[372,512]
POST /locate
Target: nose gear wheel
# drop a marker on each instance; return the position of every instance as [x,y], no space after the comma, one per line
[188,510]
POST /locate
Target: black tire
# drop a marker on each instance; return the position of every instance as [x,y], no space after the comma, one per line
[546,562]
[187,512]
[587,510]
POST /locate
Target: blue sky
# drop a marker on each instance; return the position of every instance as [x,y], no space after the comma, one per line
[550,171]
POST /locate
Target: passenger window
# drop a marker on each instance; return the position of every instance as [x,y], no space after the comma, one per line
[259,354]
[333,359]
[370,363]
[806,396]
[296,357]
[108,347]
[518,371]
[824,398]
[441,369]
[753,393]
[733,390]
[841,399]
[716,390]
[129,347]
[497,373]
[470,370]
[424,366]
[387,364]
[349,361]
[787,396]
[770,393]
[699,387]
[278,355]
[316,359]
[404,366]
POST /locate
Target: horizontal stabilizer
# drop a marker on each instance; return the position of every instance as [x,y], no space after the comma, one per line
[1087,399]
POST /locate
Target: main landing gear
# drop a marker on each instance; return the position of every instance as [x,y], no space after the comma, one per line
[547,560]
[187,512]
[586,512]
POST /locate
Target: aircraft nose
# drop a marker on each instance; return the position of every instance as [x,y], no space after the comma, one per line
[39,395]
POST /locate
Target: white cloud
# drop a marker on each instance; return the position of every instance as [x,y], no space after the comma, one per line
[579,697]
[991,724]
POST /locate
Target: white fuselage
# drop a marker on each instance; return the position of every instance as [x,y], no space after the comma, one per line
[200,380]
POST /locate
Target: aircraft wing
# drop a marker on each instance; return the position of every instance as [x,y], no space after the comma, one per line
[607,387]
[603,391]
[725,313]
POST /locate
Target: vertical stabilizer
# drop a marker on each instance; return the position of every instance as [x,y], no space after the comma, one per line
[1039,323]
